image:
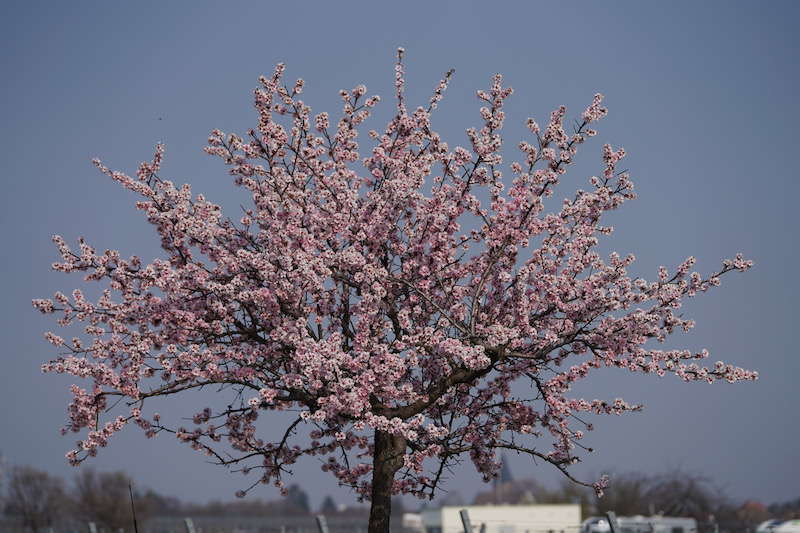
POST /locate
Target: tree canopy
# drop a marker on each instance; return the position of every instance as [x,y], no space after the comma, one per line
[388,298]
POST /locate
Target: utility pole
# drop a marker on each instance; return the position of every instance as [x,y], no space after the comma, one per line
[612,522]
[322,524]
[133,509]
[465,520]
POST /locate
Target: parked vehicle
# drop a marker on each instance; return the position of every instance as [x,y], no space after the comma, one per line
[768,526]
[642,524]
[789,526]
[595,524]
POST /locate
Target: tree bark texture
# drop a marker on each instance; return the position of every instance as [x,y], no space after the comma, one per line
[387,460]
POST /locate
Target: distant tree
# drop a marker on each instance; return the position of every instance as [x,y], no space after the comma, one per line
[398,506]
[298,498]
[34,497]
[104,498]
[390,297]
[751,513]
[627,496]
[159,504]
[452,497]
[675,493]
[786,510]
[510,492]
[682,494]
[568,492]
[328,506]
[249,507]
[214,507]
[3,479]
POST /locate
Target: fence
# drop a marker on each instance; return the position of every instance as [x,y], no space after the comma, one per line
[356,523]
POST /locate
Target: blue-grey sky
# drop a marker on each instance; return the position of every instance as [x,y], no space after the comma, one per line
[702,95]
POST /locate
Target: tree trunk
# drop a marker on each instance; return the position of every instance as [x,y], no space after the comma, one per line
[387,460]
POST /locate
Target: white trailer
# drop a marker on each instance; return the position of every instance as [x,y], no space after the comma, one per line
[641,524]
[788,526]
[533,518]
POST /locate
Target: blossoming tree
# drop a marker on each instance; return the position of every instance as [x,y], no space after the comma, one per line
[351,295]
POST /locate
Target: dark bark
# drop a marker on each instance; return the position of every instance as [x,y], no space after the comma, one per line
[387,460]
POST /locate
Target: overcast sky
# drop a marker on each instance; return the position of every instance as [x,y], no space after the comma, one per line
[702,95]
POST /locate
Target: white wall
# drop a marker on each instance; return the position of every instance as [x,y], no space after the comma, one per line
[558,518]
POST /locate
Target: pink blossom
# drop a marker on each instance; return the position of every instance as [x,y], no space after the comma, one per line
[387,295]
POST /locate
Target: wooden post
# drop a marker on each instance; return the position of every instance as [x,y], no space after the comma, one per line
[322,524]
[465,520]
[189,523]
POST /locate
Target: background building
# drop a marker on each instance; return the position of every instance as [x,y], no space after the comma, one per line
[534,518]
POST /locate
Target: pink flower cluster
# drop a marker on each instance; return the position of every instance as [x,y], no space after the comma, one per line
[352,293]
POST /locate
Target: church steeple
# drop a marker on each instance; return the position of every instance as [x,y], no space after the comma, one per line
[505,471]
[503,479]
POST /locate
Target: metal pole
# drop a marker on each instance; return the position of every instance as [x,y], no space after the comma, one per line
[322,524]
[612,522]
[465,520]
[133,510]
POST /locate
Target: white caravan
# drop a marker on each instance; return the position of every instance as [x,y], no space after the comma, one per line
[641,524]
